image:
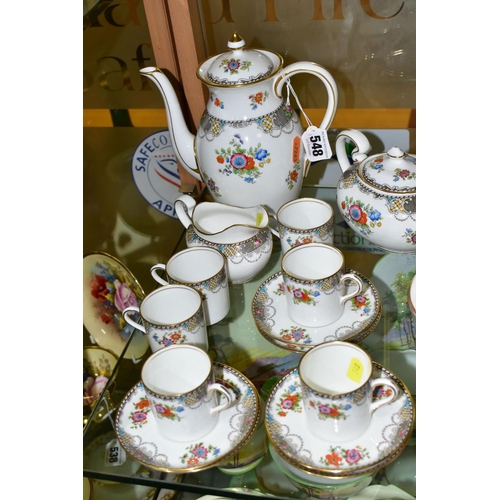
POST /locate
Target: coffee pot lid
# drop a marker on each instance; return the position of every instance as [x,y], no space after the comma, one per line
[239,66]
[394,171]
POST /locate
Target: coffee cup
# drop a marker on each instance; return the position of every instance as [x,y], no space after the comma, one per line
[204,269]
[315,284]
[340,394]
[171,314]
[304,220]
[182,394]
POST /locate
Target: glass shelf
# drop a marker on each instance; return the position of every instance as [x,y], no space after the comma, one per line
[235,341]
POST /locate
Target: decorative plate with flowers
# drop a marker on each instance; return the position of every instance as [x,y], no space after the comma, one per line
[108,288]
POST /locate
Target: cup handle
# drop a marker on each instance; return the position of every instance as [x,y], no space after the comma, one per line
[229,398]
[383,381]
[154,272]
[129,320]
[357,281]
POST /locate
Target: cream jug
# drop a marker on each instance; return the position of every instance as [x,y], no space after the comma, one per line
[248,149]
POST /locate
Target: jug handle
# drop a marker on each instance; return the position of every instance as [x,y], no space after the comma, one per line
[184,206]
[362,146]
[319,71]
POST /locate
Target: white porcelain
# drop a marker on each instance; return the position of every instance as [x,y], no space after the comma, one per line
[139,435]
[179,385]
[304,220]
[317,486]
[377,195]
[171,314]
[384,440]
[209,218]
[205,270]
[360,316]
[108,288]
[248,148]
[247,250]
[339,391]
[315,284]
[412,296]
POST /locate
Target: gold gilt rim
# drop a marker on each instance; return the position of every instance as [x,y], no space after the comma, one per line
[352,472]
[215,463]
[273,73]
[369,328]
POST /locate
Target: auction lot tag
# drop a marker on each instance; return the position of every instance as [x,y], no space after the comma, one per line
[316,144]
[355,370]
[115,455]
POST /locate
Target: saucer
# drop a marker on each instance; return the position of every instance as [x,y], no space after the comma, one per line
[108,288]
[303,348]
[384,440]
[235,427]
[359,319]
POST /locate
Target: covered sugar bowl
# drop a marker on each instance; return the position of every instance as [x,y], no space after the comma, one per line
[377,194]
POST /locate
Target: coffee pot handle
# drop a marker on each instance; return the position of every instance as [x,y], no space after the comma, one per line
[319,71]
[184,206]
[362,146]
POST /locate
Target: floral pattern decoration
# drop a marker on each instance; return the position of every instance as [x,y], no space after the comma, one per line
[233,66]
[338,454]
[411,236]
[258,98]
[381,392]
[139,416]
[198,453]
[290,400]
[113,294]
[362,215]
[303,296]
[330,411]
[170,339]
[214,189]
[245,162]
[168,412]
[295,334]
[293,176]
[361,303]
[217,102]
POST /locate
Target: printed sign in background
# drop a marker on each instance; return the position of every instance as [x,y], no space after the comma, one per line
[155,172]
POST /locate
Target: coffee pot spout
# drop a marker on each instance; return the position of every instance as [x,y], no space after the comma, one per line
[182,139]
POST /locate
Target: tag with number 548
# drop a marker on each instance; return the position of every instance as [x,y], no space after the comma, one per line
[316,144]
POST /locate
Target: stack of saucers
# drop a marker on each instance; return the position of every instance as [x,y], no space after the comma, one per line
[360,316]
[324,469]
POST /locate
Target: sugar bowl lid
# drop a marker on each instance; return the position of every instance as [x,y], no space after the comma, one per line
[393,171]
[240,65]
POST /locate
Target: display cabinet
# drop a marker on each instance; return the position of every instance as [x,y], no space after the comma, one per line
[373,65]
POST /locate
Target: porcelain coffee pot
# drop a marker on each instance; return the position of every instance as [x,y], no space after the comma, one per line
[377,195]
[248,148]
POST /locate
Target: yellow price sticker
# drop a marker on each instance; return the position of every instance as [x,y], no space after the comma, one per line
[258,219]
[355,370]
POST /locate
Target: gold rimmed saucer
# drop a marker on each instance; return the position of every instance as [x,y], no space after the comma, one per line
[269,310]
[384,440]
[108,288]
[138,434]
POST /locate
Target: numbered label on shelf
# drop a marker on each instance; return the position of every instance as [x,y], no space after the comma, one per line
[115,455]
[316,144]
